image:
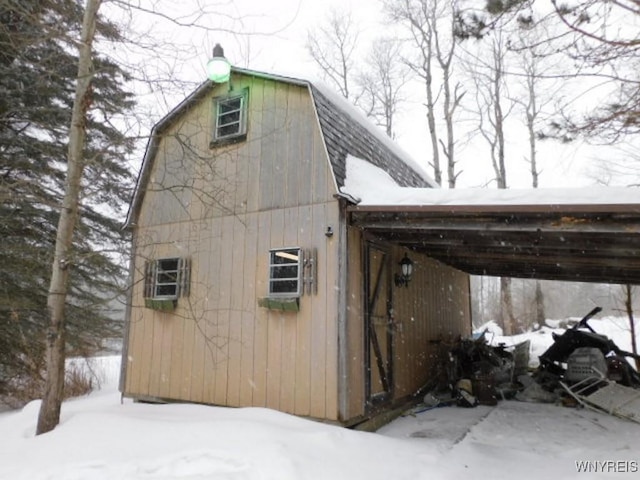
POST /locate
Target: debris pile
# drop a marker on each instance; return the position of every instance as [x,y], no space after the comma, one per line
[581,368]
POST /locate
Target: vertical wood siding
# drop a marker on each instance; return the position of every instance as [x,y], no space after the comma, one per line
[225,208]
[430,312]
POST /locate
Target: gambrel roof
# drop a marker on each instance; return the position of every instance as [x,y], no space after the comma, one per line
[345,130]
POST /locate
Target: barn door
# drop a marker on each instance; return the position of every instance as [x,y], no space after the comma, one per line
[378,326]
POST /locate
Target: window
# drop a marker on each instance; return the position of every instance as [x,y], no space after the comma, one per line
[230,118]
[167,278]
[285,272]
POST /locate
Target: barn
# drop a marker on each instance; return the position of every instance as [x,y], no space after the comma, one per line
[251,282]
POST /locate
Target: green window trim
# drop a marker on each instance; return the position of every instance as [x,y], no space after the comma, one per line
[163,305]
[283,304]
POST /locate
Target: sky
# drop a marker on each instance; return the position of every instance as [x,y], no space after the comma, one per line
[270,35]
[102,437]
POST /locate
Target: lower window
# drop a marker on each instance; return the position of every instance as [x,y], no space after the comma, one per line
[285,272]
[167,278]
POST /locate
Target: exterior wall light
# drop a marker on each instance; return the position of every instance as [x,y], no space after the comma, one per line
[218,68]
[402,279]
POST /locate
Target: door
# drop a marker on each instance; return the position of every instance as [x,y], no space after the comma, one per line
[378,323]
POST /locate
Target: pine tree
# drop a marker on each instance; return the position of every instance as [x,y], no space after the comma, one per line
[38,68]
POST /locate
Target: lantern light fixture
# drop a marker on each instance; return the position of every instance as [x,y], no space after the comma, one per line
[406,266]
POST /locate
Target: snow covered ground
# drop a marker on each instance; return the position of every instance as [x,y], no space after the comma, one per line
[101,437]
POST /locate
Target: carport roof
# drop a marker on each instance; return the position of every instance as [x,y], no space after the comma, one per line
[569,242]
[587,234]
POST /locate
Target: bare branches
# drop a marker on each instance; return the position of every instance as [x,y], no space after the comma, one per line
[332,47]
[383,82]
[431,26]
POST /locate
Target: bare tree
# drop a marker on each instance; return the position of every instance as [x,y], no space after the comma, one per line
[431,26]
[332,46]
[628,304]
[535,62]
[488,72]
[607,47]
[383,81]
[49,415]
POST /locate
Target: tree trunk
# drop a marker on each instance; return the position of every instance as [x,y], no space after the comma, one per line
[506,306]
[431,121]
[49,415]
[628,303]
[539,304]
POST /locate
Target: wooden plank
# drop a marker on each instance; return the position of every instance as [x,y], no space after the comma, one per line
[292,154]
[306,126]
[355,326]
[223,286]
[276,325]
[320,168]
[166,353]
[136,332]
[268,159]
[290,325]
[145,361]
[279,166]
[248,309]
[235,317]
[303,334]
[328,250]
[184,377]
[155,357]
[206,318]
[253,163]
[261,328]
[136,336]
[319,318]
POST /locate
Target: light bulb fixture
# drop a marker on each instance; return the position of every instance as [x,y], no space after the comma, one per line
[406,267]
[218,68]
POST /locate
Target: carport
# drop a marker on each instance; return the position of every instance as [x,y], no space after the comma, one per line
[552,241]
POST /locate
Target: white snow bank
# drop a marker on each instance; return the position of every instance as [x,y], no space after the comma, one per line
[616,329]
[102,438]
[372,186]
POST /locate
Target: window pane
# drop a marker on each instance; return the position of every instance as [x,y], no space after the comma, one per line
[166,290]
[229,117]
[168,264]
[167,277]
[287,286]
[230,105]
[228,130]
[166,284]
[285,256]
[284,271]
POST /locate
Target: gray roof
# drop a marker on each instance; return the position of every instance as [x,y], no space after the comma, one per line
[344,134]
[344,129]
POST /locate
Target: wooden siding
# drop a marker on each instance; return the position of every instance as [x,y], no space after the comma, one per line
[355,326]
[225,208]
[429,313]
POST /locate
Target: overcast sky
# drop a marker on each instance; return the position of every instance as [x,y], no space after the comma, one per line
[270,35]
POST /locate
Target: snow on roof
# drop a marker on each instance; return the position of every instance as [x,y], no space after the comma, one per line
[373,186]
[374,130]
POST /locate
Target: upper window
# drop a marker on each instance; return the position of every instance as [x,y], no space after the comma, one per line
[230,118]
[285,272]
[167,278]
